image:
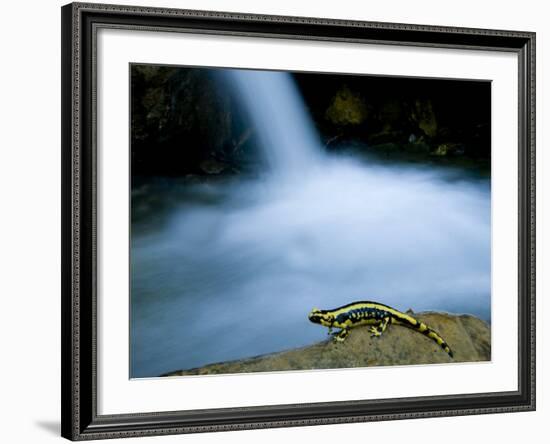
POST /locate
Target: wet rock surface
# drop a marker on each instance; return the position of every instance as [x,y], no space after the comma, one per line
[468,337]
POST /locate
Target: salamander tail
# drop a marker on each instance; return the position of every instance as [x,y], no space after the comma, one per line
[427,331]
[421,327]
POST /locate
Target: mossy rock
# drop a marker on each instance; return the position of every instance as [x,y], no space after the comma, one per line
[423,115]
[449,149]
[346,108]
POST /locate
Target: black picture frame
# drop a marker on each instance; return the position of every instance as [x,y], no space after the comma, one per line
[79,383]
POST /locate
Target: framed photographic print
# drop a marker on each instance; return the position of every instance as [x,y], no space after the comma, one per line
[261,213]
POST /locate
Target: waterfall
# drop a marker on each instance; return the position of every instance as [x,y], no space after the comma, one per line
[288,138]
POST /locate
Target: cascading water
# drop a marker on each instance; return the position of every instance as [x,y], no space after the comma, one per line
[288,138]
[231,270]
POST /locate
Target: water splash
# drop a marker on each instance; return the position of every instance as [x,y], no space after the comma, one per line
[233,271]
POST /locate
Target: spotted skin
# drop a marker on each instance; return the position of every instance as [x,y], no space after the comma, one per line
[377,316]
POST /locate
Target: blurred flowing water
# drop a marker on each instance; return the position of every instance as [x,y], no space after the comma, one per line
[287,136]
[230,270]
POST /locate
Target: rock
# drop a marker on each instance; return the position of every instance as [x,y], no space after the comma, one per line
[468,337]
[424,116]
[179,118]
[346,108]
[387,147]
[212,166]
[448,149]
[419,146]
[390,115]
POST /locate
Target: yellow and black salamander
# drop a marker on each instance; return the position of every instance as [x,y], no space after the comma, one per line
[378,316]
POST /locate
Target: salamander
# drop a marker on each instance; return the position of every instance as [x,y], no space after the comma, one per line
[377,315]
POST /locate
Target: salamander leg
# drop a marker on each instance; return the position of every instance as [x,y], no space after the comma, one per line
[380,328]
[341,335]
[375,332]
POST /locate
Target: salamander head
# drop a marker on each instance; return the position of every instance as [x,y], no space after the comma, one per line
[321,317]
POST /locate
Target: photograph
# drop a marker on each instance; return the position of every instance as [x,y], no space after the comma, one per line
[278,220]
[297,221]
